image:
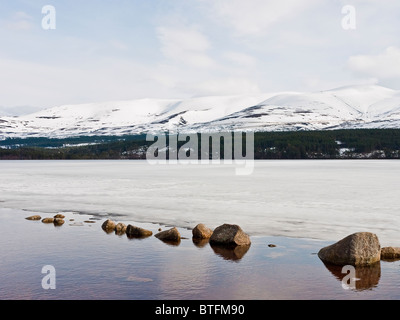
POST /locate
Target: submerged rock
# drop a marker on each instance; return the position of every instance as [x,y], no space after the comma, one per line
[136,232]
[34,218]
[201,232]
[169,235]
[390,253]
[358,249]
[230,235]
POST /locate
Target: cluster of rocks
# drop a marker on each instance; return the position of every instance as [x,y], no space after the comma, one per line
[57,220]
[358,249]
[225,235]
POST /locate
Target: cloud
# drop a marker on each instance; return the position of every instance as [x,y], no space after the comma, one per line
[223,86]
[185,45]
[383,66]
[19,21]
[254,17]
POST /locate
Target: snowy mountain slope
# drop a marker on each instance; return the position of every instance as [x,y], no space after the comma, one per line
[347,107]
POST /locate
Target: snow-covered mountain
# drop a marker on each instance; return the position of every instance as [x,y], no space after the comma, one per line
[346,107]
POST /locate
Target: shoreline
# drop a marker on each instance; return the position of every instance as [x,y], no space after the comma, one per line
[92,264]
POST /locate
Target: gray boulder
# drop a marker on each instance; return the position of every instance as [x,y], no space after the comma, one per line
[230,235]
[201,232]
[358,249]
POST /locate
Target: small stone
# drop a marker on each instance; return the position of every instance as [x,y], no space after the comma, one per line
[59,216]
[108,226]
[390,253]
[58,222]
[201,232]
[34,218]
[272,245]
[169,235]
[48,220]
[136,232]
[120,228]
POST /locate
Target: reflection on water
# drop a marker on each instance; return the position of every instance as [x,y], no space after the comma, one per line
[91,264]
[367,277]
[230,253]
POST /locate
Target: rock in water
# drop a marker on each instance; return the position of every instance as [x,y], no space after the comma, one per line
[58,222]
[108,226]
[201,232]
[34,218]
[120,228]
[230,235]
[358,249]
[169,235]
[136,232]
[48,220]
[390,253]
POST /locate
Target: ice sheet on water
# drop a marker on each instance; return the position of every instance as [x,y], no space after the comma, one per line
[325,200]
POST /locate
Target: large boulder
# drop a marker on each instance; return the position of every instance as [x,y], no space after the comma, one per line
[358,249]
[230,235]
[136,232]
[201,232]
[169,235]
[390,253]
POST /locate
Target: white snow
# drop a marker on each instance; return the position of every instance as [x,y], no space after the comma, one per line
[347,107]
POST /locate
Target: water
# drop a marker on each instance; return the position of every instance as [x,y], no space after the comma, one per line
[301,206]
[93,265]
[325,200]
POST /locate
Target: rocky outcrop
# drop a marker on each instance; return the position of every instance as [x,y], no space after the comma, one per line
[172,235]
[358,249]
[230,235]
[136,232]
[390,253]
[201,232]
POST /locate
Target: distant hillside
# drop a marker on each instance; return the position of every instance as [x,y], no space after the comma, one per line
[353,107]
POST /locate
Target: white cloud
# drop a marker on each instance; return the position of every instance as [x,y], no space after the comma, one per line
[255,17]
[240,59]
[185,45]
[223,86]
[382,66]
[19,21]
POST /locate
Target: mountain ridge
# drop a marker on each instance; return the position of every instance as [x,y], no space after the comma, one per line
[350,107]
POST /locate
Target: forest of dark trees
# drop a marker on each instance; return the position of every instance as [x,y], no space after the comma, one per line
[335,144]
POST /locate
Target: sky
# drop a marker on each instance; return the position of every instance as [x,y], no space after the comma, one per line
[92,51]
